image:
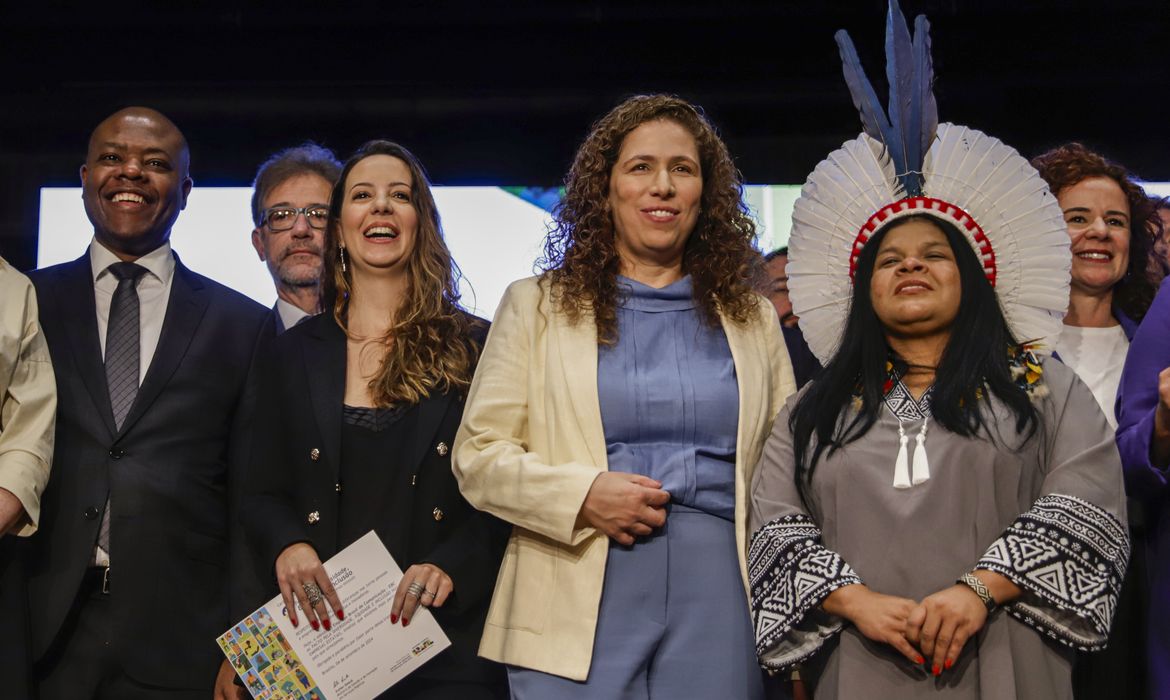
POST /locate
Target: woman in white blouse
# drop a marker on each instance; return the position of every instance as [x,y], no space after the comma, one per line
[1110,220]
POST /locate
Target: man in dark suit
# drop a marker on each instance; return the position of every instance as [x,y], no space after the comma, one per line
[290,206]
[133,574]
[804,364]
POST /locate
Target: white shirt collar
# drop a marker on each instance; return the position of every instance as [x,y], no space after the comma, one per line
[158,262]
[290,314]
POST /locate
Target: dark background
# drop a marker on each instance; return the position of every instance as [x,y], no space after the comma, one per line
[501,93]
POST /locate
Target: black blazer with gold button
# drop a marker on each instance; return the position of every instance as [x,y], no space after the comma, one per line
[292,492]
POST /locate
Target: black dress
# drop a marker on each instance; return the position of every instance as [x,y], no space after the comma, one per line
[374,484]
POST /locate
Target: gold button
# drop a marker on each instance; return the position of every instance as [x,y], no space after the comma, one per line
[441,448]
[314,517]
[314,454]
[338,487]
[438,513]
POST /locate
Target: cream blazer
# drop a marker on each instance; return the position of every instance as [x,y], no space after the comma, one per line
[531,444]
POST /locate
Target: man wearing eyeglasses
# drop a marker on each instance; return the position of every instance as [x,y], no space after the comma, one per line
[290,207]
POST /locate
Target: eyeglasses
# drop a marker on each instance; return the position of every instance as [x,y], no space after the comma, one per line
[284,218]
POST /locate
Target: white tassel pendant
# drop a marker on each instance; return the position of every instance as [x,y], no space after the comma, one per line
[902,463]
[920,464]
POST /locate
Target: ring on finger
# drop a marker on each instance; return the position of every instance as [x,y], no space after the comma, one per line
[429,592]
[415,589]
[312,592]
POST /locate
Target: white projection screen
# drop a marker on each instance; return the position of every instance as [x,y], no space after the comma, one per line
[494,233]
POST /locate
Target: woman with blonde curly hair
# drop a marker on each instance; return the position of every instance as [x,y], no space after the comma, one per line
[355,420]
[620,405]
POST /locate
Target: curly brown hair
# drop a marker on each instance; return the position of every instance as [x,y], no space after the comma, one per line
[1065,166]
[580,253]
[429,347]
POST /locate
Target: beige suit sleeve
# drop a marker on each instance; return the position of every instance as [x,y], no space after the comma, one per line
[28,405]
[493,461]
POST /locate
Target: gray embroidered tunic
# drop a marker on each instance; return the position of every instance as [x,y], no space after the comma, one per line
[1046,512]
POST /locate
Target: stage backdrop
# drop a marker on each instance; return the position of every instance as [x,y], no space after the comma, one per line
[495,233]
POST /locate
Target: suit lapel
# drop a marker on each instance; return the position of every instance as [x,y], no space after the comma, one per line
[78,318]
[577,347]
[279,322]
[324,355]
[185,308]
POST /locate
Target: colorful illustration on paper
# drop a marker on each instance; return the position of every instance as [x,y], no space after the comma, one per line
[265,660]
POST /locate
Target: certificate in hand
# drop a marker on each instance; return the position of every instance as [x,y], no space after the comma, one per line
[358,659]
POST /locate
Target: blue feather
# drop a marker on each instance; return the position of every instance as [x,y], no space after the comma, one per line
[900,75]
[925,107]
[909,125]
[865,100]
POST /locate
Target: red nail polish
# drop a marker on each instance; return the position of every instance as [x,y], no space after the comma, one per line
[393,619]
[405,622]
[340,614]
[314,625]
[935,669]
[947,664]
[921,660]
[326,623]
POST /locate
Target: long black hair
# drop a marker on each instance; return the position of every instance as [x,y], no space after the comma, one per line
[974,362]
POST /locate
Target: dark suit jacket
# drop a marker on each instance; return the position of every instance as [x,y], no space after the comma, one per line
[805,366]
[170,472]
[295,473]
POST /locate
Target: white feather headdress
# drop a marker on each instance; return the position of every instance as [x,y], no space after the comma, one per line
[986,188]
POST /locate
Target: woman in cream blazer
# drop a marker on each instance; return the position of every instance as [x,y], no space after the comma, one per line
[538,436]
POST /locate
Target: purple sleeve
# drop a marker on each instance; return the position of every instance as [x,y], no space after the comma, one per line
[1137,399]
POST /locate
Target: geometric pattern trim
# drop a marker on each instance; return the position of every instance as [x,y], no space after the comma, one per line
[901,402]
[790,574]
[1069,556]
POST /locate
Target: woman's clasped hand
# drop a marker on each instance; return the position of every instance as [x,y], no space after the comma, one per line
[931,632]
[624,506]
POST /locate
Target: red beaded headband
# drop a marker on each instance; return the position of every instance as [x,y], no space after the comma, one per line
[935,207]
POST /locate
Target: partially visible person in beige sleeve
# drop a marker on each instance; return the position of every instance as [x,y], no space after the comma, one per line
[28,411]
[28,405]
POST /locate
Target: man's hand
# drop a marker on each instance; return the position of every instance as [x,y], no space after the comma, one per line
[225,684]
[11,512]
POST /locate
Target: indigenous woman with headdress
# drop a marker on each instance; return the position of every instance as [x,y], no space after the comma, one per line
[941,512]
[622,400]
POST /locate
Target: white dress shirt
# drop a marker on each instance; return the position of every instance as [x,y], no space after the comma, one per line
[1097,355]
[154,290]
